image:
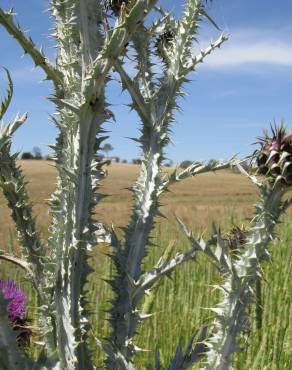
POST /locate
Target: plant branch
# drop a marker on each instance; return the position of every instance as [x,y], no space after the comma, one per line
[132,88]
[194,169]
[204,53]
[122,33]
[13,186]
[160,100]
[148,279]
[6,19]
[144,77]
[16,261]
[240,275]
[7,100]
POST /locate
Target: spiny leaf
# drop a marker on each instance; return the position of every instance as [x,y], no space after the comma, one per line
[6,102]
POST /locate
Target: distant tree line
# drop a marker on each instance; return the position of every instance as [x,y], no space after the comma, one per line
[36,154]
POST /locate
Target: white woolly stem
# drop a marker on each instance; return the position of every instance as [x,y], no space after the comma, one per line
[195,168]
[33,257]
[83,110]
[240,275]
[155,103]
[204,53]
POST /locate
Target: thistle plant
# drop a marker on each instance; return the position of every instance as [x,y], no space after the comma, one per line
[241,274]
[89,45]
[93,39]
[155,101]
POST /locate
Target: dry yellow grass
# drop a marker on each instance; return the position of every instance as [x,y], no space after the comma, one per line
[197,200]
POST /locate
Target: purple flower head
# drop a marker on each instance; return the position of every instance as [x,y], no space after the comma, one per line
[17,299]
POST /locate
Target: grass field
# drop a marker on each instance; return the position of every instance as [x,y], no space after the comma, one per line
[179,306]
[219,196]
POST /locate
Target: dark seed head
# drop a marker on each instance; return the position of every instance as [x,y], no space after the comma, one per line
[116,5]
[163,42]
[236,238]
[20,325]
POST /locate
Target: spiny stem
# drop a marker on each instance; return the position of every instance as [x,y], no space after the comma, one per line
[6,19]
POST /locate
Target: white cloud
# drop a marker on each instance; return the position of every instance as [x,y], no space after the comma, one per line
[247,47]
[258,52]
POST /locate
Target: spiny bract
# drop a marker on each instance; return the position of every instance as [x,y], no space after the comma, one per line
[274,158]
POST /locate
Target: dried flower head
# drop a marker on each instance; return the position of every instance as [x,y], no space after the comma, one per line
[18,300]
[236,238]
[21,325]
[116,5]
[163,42]
[274,158]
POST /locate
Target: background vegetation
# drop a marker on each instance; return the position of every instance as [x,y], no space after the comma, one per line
[179,305]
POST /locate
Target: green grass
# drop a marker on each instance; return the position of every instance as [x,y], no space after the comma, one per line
[180,303]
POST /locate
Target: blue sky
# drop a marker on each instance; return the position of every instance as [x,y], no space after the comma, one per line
[238,92]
